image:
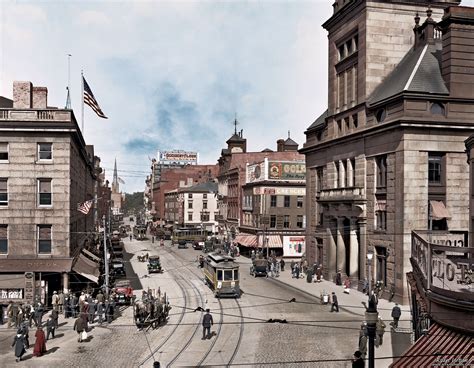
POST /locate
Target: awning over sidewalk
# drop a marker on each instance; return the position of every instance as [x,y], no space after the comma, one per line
[9,281]
[274,241]
[246,240]
[436,349]
[438,210]
[36,265]
[87,268]
[91,255]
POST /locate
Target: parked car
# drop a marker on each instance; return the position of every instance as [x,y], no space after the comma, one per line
[154,264]
[182,245]
[117,268]
[198,245]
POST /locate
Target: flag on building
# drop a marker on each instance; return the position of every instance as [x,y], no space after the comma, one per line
[90,100]
[85,207]
[121,181]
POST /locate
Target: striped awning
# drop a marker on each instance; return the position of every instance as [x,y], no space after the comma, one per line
[439,345]
[274,241]
[246,240]
[438,210]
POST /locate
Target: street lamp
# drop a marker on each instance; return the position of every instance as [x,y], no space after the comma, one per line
[267,239]
[369,259]
[371,317]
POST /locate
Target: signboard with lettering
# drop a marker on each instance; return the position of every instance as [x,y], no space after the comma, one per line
[293,246]
[286,170]
[279,191]
[184,157]
[7,294]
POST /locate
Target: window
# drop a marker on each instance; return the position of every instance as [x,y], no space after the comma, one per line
[236,275]
[380,115]
[190,216]
[190,195]
[319,179]
[286,202]
[353,167]
[3,239]
[381,265]
[273,221]
[3,192]
[435,168]
[381,163]
[228,275]
[299,201]
[339,126]
[273,201]
[204,216]
[437,109]
[299,221]
[286,221]
[204,205]
[44,192]
[44,239]
[381,214]
[45,151]
[337,174]
[3,151]
[219,275]
[190,205]
[355,123]
[346,124]
[204,196]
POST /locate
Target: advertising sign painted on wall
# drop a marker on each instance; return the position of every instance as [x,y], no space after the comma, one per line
[293,246]
[178,157]
[283,170]
[11,294]
[279,191]
[256,172]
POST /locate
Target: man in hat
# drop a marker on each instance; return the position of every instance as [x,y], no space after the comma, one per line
[207,322]
[55,300]
[396,313]
[335,303]
[357,361]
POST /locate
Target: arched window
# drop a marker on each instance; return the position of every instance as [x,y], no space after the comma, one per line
[437,109]
[380,115]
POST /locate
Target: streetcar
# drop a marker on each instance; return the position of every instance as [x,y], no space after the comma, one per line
[189,234]
[222,275]
[139,232]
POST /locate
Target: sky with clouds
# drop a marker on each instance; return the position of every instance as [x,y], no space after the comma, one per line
[172,75]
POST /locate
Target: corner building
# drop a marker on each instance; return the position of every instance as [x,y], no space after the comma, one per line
[387,156]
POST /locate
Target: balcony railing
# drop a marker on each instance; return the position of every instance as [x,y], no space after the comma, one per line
[33,114]
[346,194]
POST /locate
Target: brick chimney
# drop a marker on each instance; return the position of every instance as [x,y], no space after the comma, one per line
[22,95]
[458,37]
[40,97]
[280,145]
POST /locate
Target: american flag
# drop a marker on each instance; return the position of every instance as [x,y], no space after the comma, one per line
[85,207]
[91,101]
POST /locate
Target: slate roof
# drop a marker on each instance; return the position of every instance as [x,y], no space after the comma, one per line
[5,102]
[209,187]
[419,71]
[320,121]
[290,142]
[235,138]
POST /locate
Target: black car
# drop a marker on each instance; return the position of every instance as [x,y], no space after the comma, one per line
[118,269]
[182,245]
[198,245]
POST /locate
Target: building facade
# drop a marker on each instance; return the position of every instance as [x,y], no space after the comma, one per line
[387,157]
[46,170]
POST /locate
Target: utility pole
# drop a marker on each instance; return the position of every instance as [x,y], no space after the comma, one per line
[106,261]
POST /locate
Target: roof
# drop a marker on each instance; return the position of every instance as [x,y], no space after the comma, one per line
[439,345]
[419,71]
[290,142]
[235,138]
[320,121]
[6,102]
[210,187]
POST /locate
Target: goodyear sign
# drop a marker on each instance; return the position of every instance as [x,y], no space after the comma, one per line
[178,157]
[282,170]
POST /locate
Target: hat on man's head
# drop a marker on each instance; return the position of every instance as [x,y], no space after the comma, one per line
[357,354]
[333,292]
[208,310]
[55,292]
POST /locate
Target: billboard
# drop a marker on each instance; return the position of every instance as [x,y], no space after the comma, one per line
[256,172]
[183,157]
[293,246]
[287,170]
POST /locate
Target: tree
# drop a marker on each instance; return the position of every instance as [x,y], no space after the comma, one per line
[133,203]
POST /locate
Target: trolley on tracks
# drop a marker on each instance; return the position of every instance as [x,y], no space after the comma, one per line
[222,275]
[151,311]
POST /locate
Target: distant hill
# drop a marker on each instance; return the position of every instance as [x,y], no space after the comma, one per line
[133,203]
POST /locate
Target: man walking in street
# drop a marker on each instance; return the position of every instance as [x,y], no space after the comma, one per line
[55,300]
[50,327]
[396,313]
[207,322]
[55,317]
[335,303]
[380,330]
[61,301]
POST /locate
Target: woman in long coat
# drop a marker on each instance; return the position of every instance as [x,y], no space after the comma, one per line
[19,343]
[40,343]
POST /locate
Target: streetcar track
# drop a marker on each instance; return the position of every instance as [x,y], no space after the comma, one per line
[214,340]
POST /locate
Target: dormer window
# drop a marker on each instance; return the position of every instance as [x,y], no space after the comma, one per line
[437,109]
[380,115]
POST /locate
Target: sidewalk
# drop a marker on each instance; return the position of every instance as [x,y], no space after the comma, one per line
[395,342]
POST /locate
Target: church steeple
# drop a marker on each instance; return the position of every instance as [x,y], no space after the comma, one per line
[115,183]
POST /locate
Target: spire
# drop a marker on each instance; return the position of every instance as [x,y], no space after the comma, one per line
[288,134]
[115,181]
[235,124]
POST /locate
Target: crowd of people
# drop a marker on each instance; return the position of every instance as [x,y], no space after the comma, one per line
[85,308]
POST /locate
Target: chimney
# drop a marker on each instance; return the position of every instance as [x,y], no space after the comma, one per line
[280,145]
[22,95]
[40,97]
[458,37]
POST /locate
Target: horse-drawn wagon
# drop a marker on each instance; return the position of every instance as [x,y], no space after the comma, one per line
[151,310]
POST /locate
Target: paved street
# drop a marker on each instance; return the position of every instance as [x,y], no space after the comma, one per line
[312,336]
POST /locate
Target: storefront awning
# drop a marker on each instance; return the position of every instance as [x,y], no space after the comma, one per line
[8,281]
[87,268]
[439,345]
[246,240]
[274,241]
[438,210]
[36,265]
[91,255]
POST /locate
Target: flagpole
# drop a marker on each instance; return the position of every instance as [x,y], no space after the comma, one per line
[82,105]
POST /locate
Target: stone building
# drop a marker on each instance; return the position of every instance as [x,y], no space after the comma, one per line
[387,157]
[116,195]
[46,170]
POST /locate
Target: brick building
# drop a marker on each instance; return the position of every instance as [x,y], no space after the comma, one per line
[387,157]
[46,169]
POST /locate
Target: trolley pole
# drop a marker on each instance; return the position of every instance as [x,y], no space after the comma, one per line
[106,261]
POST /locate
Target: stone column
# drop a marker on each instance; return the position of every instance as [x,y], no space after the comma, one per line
[331,249]
[362,248]
[65,283]
[341,247]
[354,251]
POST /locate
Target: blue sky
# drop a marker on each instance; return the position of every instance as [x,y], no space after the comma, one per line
[172,75]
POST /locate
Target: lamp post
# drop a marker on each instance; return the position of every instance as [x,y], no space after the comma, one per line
[267,239]
[371,316]
[369,262]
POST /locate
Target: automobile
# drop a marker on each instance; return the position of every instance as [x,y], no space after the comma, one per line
[117,268]
[198,245]
[124,293]
[182,245]
[154,264]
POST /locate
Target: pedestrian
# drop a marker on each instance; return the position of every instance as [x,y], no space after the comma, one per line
[92,308]
[282,265]
[207,322]
[55,317]
[297,270]
[339,278]
[39,314]
[319,273]
[396,313]
[100,312]
[130,237]
[363,339]
[40,343]
[55,300]
[10,314]
[357,361]
[379,330]
[80,326]
[365,287]
[50,327]
[73,302]
[20,345]
[25,333]
[61,302]
[100,296]
[335,304]
[1,314]
[292,265]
